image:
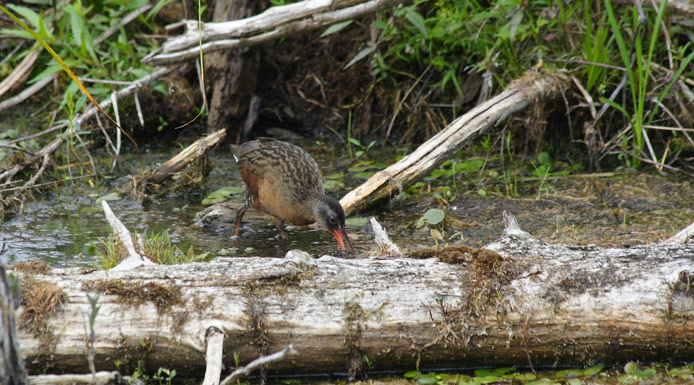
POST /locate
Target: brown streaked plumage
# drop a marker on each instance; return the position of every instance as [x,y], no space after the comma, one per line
[282,179]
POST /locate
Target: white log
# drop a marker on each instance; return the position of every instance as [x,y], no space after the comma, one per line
[274,23]
[530,88]
[552,304]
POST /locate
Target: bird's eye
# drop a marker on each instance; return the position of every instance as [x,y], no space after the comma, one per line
[332,220]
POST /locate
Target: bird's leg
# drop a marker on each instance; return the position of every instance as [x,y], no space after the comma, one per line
[239,216]
[280,224]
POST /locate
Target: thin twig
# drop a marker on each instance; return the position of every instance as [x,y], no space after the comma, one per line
[658,165]
[138,108]
[402,101]
[48,149]
[125,21]
[585,62]
[33,178]
[48,183]
[17,148]
[244,371]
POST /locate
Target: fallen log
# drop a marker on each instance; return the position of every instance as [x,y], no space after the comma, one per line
[530,88]
[517,302]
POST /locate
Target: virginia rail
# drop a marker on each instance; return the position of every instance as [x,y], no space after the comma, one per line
[282,179]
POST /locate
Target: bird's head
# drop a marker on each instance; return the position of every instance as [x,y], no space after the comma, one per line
[330,214]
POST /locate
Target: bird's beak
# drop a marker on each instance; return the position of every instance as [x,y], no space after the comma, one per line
[341,236]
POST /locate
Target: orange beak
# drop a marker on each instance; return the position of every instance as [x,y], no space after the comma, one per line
[341,237]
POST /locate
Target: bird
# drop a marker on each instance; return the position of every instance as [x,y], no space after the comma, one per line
[282,179]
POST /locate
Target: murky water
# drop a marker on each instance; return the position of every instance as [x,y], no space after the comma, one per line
[65,226]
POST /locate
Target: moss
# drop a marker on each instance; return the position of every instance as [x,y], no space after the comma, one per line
[135,293]
[31,267]
[40,299]
[485,276]
[354,314]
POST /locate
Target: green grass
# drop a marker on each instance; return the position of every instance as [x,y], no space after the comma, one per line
[158,247]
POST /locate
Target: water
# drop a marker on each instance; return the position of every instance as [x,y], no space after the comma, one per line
[65,227]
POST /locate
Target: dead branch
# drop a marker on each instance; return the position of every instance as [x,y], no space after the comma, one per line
[21,72]
[248,369]
[188,155]
[530,88]
[134,259]
[274,23]
[214,341]
[33,179]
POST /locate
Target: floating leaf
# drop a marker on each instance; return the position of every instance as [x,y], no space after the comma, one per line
[412,374]
[542,381]
[575,381]
[428,379]
[487,379]
[112,196]
[469,166]
[364,174]
[361,166]
[357,221]
[434,216]
[221,195]
[336,28]
[333,184]
[338,175]
[520,376]
[569,373]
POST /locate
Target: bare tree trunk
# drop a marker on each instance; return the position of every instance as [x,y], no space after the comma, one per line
[518,301]
[233,73]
